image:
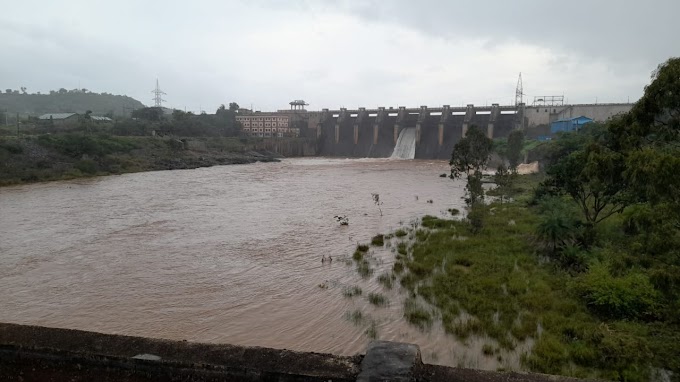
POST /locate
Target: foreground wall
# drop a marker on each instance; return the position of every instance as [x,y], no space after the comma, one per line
[32,353]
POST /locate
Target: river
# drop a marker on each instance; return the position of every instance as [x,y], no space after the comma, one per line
[226,254]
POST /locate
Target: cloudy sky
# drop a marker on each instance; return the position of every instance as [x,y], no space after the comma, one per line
[338,53]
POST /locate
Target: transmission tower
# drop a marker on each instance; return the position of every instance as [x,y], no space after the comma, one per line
[519,93]
[158,95]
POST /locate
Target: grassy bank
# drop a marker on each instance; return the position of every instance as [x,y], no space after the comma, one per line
[502,284]
[67,156]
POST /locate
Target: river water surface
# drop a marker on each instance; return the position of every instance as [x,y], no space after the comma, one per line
[227,254]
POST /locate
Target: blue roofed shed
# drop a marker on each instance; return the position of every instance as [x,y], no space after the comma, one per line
[569,124]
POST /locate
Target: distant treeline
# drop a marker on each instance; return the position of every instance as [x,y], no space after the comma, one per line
[66,101]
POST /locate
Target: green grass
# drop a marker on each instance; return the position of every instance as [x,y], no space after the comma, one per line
[372,330]
[377,299]
[416,314]
[402,249]
[378,240]
[364,269]
[400,233]
[497,278]
[356,317]
[387,280]
[351,291]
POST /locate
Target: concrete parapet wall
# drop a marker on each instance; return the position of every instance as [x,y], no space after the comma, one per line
[32,353]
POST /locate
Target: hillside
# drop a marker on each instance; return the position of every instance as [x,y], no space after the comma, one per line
[61,102]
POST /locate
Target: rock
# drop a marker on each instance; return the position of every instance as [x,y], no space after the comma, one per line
[390,361]
[147,357]
[511,222]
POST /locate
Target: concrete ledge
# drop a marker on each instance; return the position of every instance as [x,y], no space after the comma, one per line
[39,351]
[32,353]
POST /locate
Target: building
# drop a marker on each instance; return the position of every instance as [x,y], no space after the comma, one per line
[278,124]
[60,119]
[569,124]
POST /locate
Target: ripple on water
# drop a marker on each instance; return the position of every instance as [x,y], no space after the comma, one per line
[223,254]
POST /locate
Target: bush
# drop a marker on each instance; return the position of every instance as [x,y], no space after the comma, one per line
[476,219]
[387,280]
[400,233]
[628,297]
[416,314]
[364,269]
[377,299]
[378,240]
[87,166]
[351,291]
[358,255]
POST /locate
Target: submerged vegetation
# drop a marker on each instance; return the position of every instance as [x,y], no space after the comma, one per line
[581,262]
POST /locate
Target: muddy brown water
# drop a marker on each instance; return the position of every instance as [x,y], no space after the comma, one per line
[227,254]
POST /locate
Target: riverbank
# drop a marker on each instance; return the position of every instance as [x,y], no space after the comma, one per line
[48,157]
[496,282]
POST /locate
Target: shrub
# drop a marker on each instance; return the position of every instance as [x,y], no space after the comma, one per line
[355,317]
[372,330]
[351,291]
[364,269]
[630,296]
[416,314]
[87,166]
[387,280]
[378,240]
[400,233]
[398,267]
[358,255]
[362,248]
[377,299]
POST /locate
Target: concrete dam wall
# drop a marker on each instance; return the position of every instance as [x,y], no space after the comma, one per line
[374,133]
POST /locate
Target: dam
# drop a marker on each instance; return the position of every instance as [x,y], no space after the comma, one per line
[374,133]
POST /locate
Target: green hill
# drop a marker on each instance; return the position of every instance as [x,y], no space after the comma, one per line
[67,101]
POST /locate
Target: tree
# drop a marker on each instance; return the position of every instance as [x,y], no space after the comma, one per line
[470,154]
[474,189]
[233,106]
[515,145]
[148,113]
[503,180]
[8,91]
[63,91]
[23,90]
[594,178]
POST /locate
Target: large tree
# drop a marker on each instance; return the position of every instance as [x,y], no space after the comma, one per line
[471,154]
[514,152]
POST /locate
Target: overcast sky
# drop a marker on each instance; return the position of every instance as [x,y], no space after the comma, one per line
[338,53]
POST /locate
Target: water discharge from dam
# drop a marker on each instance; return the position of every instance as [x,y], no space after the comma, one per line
[227,254]
[406,144]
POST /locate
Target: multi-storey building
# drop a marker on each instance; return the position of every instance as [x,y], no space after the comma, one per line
[268,124]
